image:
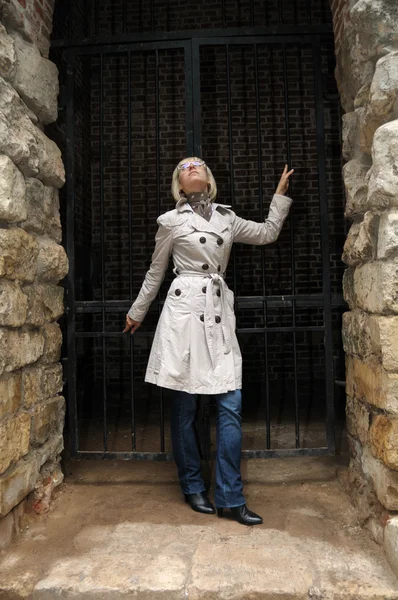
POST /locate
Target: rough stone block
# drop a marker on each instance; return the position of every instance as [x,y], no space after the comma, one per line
[10,394]
[45,303]
[19,348]
[23,142]
[391,543]
[385,480]
[375,24]
[17,482]
[350,135]
[40,383]
[376,285]
[52,261]
[7,54]
[359,335]
[36,80]
[12,192]
[354,175]
[43,215]
[13,304]
[6,530]
[357,418]
[386,336]
[369,382]
[52,343]
[387,243]
[14,439]
[382,105]
[383,440]
[360,243]
[348,288]
[21,16]
[383,180]
[47,419]
[18,254]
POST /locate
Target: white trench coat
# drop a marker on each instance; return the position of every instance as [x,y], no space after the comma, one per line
[195,348]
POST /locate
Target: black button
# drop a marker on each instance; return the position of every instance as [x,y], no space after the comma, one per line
[218,319]
[218,293]
[205,267]
[202,240]
[178,292]
[177,270]
[202,317]
[219,268]
[204,289]
[220,241]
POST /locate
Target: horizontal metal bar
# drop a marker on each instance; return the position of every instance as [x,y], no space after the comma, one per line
[115,334]
[164,456]
[172,36]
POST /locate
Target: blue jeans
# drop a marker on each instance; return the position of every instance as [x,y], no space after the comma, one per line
[228,489]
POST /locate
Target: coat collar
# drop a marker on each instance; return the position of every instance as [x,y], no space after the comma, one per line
[216,224]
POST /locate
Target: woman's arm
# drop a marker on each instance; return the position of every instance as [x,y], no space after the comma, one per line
[250,232]
[155,275]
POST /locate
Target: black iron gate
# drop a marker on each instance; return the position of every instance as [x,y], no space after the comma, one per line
[117,182]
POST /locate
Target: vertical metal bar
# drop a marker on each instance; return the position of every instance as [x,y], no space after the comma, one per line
[231,151]
[70,249]
[309,17]
[189,128]
[266,9]
[197,133]
[102,252]
[262,249]
[124,17]
[293,265]
[152,15]
[280,12]
[157,125]
[96,17]
[251,13]
[323,206]
[130,225]
[223,14]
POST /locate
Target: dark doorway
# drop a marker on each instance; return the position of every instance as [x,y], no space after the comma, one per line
[247,86]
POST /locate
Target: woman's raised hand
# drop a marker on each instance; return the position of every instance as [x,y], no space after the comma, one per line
[131,324]
[284,181]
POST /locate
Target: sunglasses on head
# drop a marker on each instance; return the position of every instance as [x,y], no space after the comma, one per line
[195,163]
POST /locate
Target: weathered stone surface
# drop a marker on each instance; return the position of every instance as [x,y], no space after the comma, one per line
[386,336]
[47,418]
[10,394]
[40,498]
[42,209]
[354,174]
[40,383]
[376,286]
[52,263]
[391,543]
[370,383]
[19,348]
[360,243]
[53,342]
[383,179]
[7,54]
[362,97]
[23,17]
[6,530]
[12,192]
[385,480]
[16,483]
[350,135]
[382,105]
[358,335]
[348,288]
[357,418]
[375,24]
[383,440]
[18,254]
[36,80]
[26,144]
[387,243]
[45,303]
[14,439]
[13,304]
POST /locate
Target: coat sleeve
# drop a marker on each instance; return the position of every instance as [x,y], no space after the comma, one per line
[157,270]
[250,232]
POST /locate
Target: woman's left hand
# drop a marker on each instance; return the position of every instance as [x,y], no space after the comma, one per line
[284,181]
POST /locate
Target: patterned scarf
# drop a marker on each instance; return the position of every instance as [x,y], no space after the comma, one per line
[201,204]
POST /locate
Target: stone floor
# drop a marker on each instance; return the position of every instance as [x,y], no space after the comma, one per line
[121,530]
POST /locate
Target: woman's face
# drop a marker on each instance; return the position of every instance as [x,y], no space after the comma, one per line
[193,178]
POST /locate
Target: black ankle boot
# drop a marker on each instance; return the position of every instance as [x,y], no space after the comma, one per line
[242,514]
[200,503]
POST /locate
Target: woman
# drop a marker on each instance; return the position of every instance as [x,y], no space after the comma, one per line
[195,349]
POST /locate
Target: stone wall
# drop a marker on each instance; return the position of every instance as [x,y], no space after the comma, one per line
[32,262]
[366,34]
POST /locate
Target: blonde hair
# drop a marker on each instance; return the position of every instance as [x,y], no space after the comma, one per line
[176,186]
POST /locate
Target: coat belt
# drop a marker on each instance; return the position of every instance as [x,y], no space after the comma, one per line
[209,313]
